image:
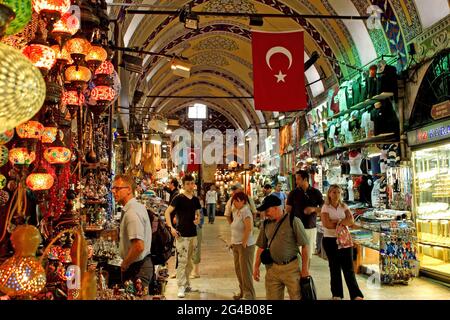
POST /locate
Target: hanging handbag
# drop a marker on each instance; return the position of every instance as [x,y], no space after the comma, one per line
[344,238]
[307,289]
[265,256]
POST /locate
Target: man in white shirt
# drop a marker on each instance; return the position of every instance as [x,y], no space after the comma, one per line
[135,233]
[211,203]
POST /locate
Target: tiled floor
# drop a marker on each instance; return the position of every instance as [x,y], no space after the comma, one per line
[218,280]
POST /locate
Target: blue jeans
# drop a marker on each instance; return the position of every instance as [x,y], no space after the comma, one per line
[211,208]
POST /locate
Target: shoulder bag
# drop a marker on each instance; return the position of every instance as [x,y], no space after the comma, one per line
[343,237]
[265,256]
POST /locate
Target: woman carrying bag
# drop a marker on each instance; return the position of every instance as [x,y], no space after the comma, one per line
[243,244]
[337,243]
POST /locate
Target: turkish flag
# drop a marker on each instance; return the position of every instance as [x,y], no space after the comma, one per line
[278,71]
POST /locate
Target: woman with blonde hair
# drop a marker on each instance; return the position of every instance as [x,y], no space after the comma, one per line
[335,213]
[243,244]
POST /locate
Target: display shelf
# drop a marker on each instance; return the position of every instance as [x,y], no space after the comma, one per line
[368,245]
[434,244]
[384,138]
[359,226]
[368,102]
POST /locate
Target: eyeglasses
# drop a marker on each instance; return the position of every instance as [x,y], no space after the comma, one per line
[117,188]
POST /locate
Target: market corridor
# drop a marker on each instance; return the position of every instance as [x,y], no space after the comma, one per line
[218,281]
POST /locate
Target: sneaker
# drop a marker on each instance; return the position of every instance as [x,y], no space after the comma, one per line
[181,292]
[190,289]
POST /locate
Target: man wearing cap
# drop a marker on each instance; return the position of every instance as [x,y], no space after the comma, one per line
[229,207]
[284,248]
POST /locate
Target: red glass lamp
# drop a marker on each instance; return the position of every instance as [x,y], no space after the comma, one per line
[78,47]
[40,55]
[73,100]
[66,27]
[95,57]
[106,68]
[62,55]
[103,96]
[51,10]
[78,76]
[21,156]
[30,130]
[40,181]
[49,134]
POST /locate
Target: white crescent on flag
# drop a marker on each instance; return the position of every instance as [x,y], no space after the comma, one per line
[274,50]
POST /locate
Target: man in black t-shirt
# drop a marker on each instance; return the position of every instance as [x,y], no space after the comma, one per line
[187,208]
[305,202]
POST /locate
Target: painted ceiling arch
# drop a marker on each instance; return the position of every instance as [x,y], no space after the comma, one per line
[228,39]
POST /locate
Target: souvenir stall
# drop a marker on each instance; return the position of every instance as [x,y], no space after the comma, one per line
[56,211]
[429,140]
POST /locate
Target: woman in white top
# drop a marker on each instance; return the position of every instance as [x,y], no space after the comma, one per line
[243,244]
[335,212]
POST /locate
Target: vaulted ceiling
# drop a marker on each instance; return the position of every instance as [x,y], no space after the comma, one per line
[220,50]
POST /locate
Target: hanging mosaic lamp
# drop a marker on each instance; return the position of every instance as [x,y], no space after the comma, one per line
[106,68]
[49,134]
[3,181]
[73,101]
[40,55]
[103,94]
[22,88]
[95,57]
[65,27]
[23,274]
[62,55]
[30,130]
[40,181]
[78,47]
[51,10]
[78,75]
[57,155]
[6,136]
[23,12]
[21,156]
[4,153]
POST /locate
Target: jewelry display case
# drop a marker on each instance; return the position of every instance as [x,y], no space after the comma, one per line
[432,209]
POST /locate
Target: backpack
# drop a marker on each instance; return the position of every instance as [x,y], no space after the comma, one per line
[162,240]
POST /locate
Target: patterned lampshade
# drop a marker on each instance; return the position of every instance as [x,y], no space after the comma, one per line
[6,136]
[21,156]
[72,98]
[49,134]
[106,68]
[30,130]
[41,56]
[60,6]
[22,274]
[97,53]
[57,155]
[67,25]
[78,74]
[62,55]
[78,47]
[103,94]
[39,181]
[22,88]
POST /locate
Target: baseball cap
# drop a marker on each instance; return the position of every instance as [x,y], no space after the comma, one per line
[236,186]
[269,202]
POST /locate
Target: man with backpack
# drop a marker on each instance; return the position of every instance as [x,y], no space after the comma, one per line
[281,242]
[187,207]
[135,233]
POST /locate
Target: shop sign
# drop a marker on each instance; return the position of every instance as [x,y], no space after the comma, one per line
[435,132]
[441,110]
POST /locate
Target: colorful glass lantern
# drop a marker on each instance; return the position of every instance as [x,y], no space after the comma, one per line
[23,274]
[103,94]
[62,55]
[3,181]
[4,152]
[23,12]
[41,56]
[6,16]
[66,27]
[72,98]
[106,68]
[40,181]
[95,57]
[21,156]
[57,155]
[49,134]
[76,74]
[30,130]
[51,10]
[78,47]
[6,136]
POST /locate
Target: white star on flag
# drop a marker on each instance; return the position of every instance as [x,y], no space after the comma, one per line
[280,76]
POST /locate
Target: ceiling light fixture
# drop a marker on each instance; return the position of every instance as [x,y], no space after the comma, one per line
[181,68]
[271,123]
